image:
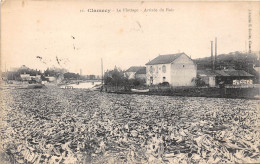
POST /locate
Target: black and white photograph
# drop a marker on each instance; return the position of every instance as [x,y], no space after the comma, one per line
[129,82]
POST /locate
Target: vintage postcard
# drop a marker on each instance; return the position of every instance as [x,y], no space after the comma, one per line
[129,82]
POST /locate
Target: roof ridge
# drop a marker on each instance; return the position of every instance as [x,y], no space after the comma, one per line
[165,59]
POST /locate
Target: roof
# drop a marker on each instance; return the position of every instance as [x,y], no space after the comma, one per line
[206,73]
[134,68]
[164,59]
[238,73]
[226,72]
[141,71]
[221,73]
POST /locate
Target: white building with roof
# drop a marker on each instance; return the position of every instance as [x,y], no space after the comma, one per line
[176,69]
[25,77]
[130,72]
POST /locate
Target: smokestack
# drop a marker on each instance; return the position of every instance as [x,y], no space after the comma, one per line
[212,58]
[216,52]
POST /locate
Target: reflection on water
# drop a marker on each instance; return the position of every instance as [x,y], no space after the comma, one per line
[83,85]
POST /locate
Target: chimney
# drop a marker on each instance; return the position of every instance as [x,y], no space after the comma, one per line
[216,42]
[212,58]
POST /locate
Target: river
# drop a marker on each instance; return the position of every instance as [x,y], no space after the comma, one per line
[86,85]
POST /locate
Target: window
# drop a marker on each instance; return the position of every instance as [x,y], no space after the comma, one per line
[183,66]
[151,80]
[164,68]
[164,78]
[151,69]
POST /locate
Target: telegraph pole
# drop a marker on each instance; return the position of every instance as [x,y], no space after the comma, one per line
[102,78]
[216,53]
[249,37]
[212,58]
[249,31]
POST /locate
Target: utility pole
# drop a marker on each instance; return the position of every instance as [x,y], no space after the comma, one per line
[216,42]
[5,74]
[245,47]
[249,38]
[102,78]
[249,31]
[212,58]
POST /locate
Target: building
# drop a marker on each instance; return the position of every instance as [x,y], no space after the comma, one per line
[208,77]
[257,71]
[257,67]
[60,78]
[234,77]
[28,77]
[25,77]
[141,74]
[37,78]
[176,69]
[225,76]
[80,72]
[51,78]
[130,72]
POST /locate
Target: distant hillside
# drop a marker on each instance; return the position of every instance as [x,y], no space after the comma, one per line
[236,60]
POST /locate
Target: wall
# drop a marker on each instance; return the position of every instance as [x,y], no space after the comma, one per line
[242,82]
[212,81]
[158,74]
[183,72]
[140,76]
[25,76]
[51,78]
[233,80]
[60,78]
[130,75]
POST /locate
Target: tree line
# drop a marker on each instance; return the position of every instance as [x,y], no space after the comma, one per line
[53,72]
[117,77]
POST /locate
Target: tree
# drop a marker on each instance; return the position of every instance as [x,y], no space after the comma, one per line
[199,82]
[54,71]
[115,77]
[92,77]
[70,75]
[136,82]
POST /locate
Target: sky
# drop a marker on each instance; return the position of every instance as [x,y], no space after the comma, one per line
[37,33]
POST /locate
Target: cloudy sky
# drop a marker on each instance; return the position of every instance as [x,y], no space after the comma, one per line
[57,29]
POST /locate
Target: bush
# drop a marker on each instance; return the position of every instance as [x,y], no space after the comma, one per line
[199,82]
[164,84]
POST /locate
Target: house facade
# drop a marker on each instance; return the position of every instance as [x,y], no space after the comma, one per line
[36,78]
[176,69]
[130,72]
[141,74]
[25,77]
[28,77]
[51,78]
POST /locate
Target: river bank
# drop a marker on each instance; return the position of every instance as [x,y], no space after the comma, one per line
[240,93]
